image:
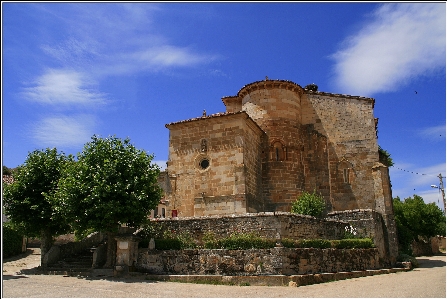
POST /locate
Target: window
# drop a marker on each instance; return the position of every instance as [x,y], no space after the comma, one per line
[346,175]
[278,151]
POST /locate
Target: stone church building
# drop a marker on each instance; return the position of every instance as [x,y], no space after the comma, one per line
[274,141]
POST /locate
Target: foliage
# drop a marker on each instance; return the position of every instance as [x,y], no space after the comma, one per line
[28,200]
[6,170]
[237,241]
[350,232]
[312,87]
[311,204]
[112,183]
[402,257]
[385,157]
[314,243]
[12,240]
[352,243]
[414,218]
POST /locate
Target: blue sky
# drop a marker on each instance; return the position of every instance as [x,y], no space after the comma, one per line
[71,70]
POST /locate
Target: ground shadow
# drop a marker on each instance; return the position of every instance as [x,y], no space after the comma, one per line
[8,277]
[19,256]
[430,263]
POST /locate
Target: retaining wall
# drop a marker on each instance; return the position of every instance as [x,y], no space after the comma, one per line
[275,261]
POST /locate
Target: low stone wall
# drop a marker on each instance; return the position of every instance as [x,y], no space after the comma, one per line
[275,261]
[268,224]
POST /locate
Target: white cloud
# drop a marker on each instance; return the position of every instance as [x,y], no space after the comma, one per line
[63,87]
[402,41]
[63,131]
[436,133]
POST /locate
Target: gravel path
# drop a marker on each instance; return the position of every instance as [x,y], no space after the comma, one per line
[427,281]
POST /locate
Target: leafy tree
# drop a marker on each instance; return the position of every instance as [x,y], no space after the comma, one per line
[385,157]
[111,184]
[27,200]
[6,170]
[311,204]
[416,219]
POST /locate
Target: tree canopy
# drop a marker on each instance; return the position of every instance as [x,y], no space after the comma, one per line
[27,200]
[112,183]
[416,219]
[311,204]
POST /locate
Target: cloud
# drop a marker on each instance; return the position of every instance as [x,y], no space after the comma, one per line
[63,87]
[402,41]
[436,133]
[63,131]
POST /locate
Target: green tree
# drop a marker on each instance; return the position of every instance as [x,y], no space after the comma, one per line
[6,170]
[111,184]
[311,204]
[385,157]
[416,219]
[27,201]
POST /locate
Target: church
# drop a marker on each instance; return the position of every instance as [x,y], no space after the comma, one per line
[275,140]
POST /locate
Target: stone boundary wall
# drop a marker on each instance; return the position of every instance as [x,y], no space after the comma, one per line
[266,224]
[275,261]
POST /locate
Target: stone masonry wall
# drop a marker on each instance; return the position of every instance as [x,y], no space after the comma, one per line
[275,261]
[269,224]
[349,124]
[220,139]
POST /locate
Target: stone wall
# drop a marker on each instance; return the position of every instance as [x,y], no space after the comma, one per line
[230,145]
[275,261]
[268,224]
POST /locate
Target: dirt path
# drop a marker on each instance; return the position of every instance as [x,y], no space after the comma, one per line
[428,281]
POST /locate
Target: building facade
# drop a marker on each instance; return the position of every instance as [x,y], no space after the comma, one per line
[274,141]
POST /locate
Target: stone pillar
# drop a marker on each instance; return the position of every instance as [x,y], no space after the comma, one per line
[126,254]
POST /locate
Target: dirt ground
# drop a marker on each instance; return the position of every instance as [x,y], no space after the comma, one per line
[20,281]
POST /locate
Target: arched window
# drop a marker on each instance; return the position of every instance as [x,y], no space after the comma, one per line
[278,151]
[346,170]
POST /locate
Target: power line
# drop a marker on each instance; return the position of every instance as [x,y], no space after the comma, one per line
[414,172]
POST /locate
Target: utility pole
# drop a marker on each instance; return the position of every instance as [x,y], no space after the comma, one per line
[441,186]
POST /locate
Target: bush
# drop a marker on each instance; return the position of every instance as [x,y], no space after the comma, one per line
[12,241]
[237,241]
[402,257]
[309,204]
[315,243]
[352,243]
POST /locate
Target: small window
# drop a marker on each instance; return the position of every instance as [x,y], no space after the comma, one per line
[156,213]
[204,163]
[279,151]
[163,212]
[346,175]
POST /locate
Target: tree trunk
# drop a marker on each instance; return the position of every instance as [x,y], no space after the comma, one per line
[46,241]
[111,250]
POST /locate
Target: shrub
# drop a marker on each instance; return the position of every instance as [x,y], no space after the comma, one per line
[311,204]
[315,243]
[352,243]
[237,241]
[245,241]
[402,257]
[12,241]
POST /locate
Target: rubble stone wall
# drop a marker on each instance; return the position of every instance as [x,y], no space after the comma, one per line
[275,261]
